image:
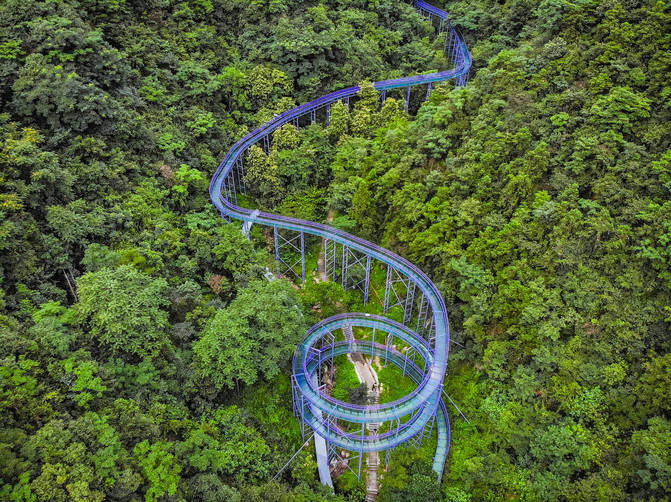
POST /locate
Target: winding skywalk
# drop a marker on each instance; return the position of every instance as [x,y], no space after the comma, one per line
[424,332]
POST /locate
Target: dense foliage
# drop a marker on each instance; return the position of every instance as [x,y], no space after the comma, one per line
[142,354]
[539,197]
[133,319]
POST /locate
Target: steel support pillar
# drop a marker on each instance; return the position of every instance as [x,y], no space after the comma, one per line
[431,337]
[303,256]
[230,186]
[367,284]
[455,49]
[387,289]
[349,334]
[423,315]
[363,426]
[409,356]
[277,252]
[449,44]
[372,347]
[407,99]
[241,174]
[332,358]
[224,186]
[409,302]
[399,291]
[388,343]
[295,244]
[330,259]
[343,263]
[355,271]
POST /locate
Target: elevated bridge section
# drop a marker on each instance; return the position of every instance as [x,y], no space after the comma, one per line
[424,333]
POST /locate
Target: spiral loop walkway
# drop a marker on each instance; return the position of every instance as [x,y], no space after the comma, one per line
[425,348]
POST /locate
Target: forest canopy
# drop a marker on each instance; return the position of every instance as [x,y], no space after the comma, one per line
[144,356]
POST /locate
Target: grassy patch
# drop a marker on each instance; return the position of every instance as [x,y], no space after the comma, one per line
[345,378]
[394,384]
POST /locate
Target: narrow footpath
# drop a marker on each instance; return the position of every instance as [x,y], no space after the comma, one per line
[366,374]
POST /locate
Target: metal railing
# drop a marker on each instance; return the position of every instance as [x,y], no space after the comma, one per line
[424,404]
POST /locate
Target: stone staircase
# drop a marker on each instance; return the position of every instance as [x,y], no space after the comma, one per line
[372,458]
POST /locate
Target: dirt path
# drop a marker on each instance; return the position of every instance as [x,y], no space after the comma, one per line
[366,374]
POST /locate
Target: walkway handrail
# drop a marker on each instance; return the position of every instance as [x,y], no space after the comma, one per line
[425,402]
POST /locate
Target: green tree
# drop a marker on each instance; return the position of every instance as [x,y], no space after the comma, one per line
[339,120]
[363,210]
[652,447]
[124,310]
[329,298]
[226,446]
[252,338]
[60,97]
[262,177]
[160,468]
[410,479]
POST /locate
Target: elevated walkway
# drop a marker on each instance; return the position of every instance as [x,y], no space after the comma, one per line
[348,257]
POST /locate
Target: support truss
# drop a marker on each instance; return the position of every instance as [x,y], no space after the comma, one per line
[356,271]
[328,345]
[424,317]
[399,291]
[239,169]
[352,269]
[334,456]
[410,355]
[295,244]
[388,346]
[331,259]
[230,189]
[426,432]
[349,336]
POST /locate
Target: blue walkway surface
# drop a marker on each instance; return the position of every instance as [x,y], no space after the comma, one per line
[414,413]
[322,451]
